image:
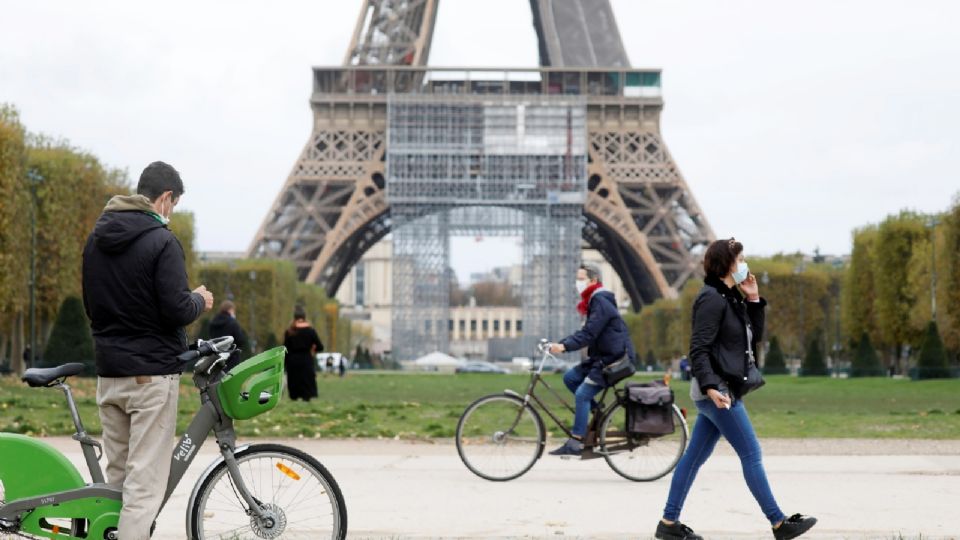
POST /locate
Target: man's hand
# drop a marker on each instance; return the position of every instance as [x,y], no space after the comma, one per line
[207,297]
[557,348]
[720,400]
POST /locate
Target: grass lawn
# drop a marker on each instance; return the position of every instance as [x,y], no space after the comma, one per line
[428,405]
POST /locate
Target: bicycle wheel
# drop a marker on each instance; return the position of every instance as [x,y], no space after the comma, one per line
[641,458]
[302,498]
[499,437]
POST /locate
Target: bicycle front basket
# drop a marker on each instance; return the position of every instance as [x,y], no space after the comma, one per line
[254,386]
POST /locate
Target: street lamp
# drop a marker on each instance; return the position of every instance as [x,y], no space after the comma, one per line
[253,309]
[765,279]
[34,179]
[932,224]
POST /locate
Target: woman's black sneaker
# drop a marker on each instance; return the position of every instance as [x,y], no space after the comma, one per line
[794,526]
[677,531]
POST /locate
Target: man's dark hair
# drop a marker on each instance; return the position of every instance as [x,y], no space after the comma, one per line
[720,256]
[159,178]
[592,271]
[299,313]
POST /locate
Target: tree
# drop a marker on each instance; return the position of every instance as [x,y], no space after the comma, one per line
[798,295]
[948,276]
[932,363]
[897,237]
[859,306]
[774,363]
[813,363]
[494,293]
[70,340]
[14,235]
[270,342]
[865,363]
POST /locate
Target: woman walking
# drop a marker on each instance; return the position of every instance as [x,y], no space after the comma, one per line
[302,343]
[726,330]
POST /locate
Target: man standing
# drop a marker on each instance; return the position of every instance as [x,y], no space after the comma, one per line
[136,296]
[225,324]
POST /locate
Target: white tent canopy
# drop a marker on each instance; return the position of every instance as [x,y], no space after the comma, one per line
[438,359]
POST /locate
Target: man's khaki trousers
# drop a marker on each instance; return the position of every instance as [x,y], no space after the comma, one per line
[139,416]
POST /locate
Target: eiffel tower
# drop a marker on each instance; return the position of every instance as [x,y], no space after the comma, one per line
[368,166]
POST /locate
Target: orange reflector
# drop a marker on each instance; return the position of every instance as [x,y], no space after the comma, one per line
[56,529]
[288,471]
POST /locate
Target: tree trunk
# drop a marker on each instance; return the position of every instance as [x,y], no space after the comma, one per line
[4,340]
[17,345]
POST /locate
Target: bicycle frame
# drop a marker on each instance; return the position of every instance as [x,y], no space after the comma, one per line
[536,377]
[209,418]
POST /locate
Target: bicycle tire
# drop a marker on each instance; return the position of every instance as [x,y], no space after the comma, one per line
[662,452]
[298,464]
[536,440]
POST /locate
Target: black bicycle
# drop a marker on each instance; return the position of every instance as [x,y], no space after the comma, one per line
[501,436]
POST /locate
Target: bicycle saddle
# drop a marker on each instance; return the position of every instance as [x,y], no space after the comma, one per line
[44,376]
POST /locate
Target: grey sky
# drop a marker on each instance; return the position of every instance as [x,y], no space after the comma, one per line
[792,122]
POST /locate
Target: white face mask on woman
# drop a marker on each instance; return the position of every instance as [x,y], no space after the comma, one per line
[740,274]
[581,286]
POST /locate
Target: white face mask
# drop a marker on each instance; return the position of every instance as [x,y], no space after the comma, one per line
[741,273]
[581,286]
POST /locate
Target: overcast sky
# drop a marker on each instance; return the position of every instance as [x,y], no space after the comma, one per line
[793,122]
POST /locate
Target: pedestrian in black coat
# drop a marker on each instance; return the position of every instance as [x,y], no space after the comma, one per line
[303,344]
[225,324]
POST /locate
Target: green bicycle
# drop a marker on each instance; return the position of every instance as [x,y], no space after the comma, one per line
[250,492]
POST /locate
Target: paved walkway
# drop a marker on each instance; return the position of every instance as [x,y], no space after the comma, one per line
[403,490]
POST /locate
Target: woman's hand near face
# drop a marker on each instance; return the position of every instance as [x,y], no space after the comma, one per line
[751,288]
[720,400]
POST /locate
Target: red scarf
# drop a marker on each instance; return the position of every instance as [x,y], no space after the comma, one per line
[585,297]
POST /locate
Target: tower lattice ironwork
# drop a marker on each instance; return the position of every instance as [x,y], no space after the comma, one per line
[569,152]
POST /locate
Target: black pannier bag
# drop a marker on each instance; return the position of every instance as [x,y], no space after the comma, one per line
[649,408]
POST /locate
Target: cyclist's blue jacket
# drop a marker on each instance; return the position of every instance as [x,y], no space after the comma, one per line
[135,291]
[604,333]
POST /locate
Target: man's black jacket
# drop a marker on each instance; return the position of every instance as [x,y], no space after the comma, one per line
[135,291]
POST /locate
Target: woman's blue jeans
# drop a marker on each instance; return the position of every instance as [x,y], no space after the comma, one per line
[734,425]
[576,380]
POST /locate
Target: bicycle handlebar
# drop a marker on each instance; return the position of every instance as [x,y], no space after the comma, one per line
[207,348]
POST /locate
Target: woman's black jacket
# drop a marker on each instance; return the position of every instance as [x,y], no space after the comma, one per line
[718,342]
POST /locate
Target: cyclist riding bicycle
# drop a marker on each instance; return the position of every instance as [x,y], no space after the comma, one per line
[136,296]
[607,339]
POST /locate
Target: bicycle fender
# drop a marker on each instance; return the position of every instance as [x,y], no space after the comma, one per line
[30,467]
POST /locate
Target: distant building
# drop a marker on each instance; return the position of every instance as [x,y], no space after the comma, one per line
[367,292]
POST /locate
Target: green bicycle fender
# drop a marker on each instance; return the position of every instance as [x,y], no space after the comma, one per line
[30,467]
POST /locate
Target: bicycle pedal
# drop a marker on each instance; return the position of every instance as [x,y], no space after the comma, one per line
[589,454]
